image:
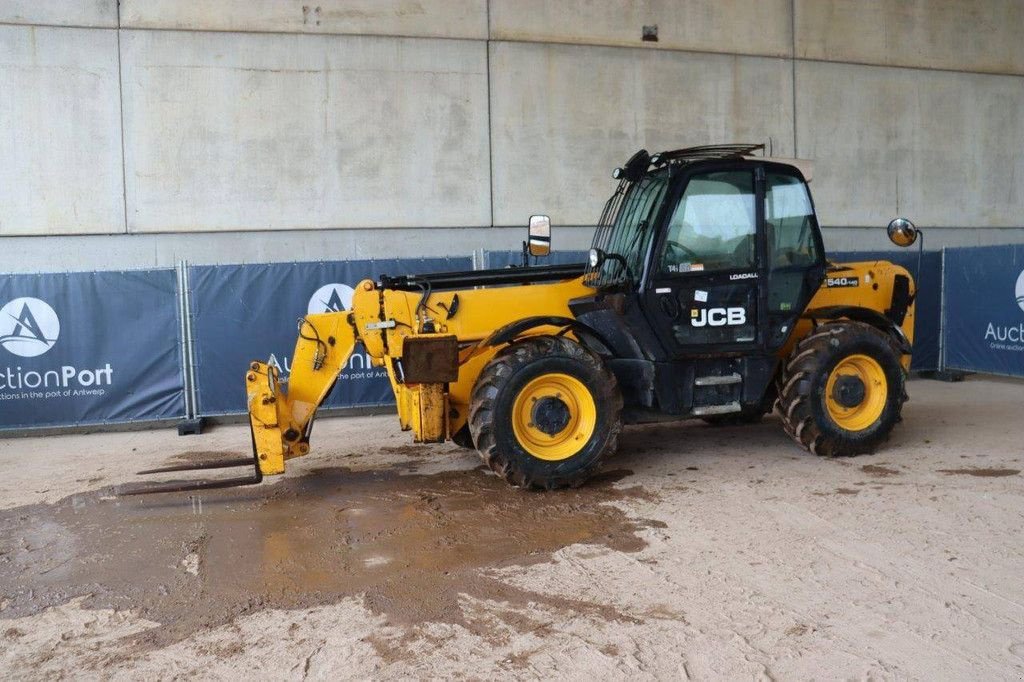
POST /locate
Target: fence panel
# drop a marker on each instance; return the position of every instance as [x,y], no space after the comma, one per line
[89,348]
[246,312]
[984,316]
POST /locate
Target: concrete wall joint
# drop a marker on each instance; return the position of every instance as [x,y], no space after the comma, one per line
[120,106]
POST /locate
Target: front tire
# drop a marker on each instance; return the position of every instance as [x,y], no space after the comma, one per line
[842,389]
[545,412]
[463,438]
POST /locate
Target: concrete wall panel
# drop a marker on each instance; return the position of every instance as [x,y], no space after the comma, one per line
[427,18]
[60,131]
[60,12]
[563,117]
[759,27]
[942,148]
[247,131]
[980,35]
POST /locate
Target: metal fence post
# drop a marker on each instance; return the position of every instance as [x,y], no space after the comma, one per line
[182,341]
[942,311]
[193,422]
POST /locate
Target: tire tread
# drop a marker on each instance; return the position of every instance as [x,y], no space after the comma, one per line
[488,388]
[806,361]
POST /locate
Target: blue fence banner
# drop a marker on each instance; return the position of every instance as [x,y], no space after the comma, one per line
[89,348]
[106,347]
[242,313]
[928,304]
[984,317]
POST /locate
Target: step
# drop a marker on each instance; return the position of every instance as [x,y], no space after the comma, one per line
[716,409]
[733,378]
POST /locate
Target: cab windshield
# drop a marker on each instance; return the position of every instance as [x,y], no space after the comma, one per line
[627,235]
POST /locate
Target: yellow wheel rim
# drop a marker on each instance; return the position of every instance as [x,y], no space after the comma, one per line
[876,390]
[554,416]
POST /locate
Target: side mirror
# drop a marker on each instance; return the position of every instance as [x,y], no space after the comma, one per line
[539,242]
[902,232]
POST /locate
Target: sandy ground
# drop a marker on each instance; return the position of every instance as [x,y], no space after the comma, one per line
[709,553]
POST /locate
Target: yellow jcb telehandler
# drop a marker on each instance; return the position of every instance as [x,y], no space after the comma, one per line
[707,295]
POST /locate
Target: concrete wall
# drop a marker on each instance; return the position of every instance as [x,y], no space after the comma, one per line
[414,18]
[985,36]
[947,150]
[253,130]
[60,131]
[562,117]
[753,27]
[95,13]
[270,132]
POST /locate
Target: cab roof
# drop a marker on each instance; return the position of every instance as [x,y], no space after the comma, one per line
[643,162]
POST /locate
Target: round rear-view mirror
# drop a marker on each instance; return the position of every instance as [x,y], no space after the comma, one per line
[902,232]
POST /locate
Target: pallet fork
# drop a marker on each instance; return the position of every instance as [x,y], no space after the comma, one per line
[279,421]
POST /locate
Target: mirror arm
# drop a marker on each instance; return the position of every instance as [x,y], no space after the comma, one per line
[622,261]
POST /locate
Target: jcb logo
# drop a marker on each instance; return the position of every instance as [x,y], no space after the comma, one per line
[718,317]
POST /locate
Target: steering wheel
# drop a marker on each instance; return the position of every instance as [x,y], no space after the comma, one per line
[688,254]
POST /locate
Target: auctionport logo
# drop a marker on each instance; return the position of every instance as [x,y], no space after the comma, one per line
[334,298]
[28,327]
[1011,337]
[330,298]
[1019,291]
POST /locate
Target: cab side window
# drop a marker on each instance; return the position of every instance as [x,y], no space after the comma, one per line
[788,219]
[789,223]
[713,227]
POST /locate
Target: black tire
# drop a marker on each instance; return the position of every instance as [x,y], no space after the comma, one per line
[803,403]
[463,438]
[493,398]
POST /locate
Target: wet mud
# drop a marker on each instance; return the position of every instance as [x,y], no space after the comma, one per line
[408,544]
[839,491]
[879,471]
[981,473]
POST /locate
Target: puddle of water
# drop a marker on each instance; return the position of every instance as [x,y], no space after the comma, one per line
[410,544]
[983,473]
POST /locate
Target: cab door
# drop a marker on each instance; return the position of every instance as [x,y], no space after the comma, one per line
[796,259]
[704,291]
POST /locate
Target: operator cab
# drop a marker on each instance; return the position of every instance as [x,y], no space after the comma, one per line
[702,263]
[721,250]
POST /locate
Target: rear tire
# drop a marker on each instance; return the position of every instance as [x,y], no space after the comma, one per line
[842,389]
[545,412]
